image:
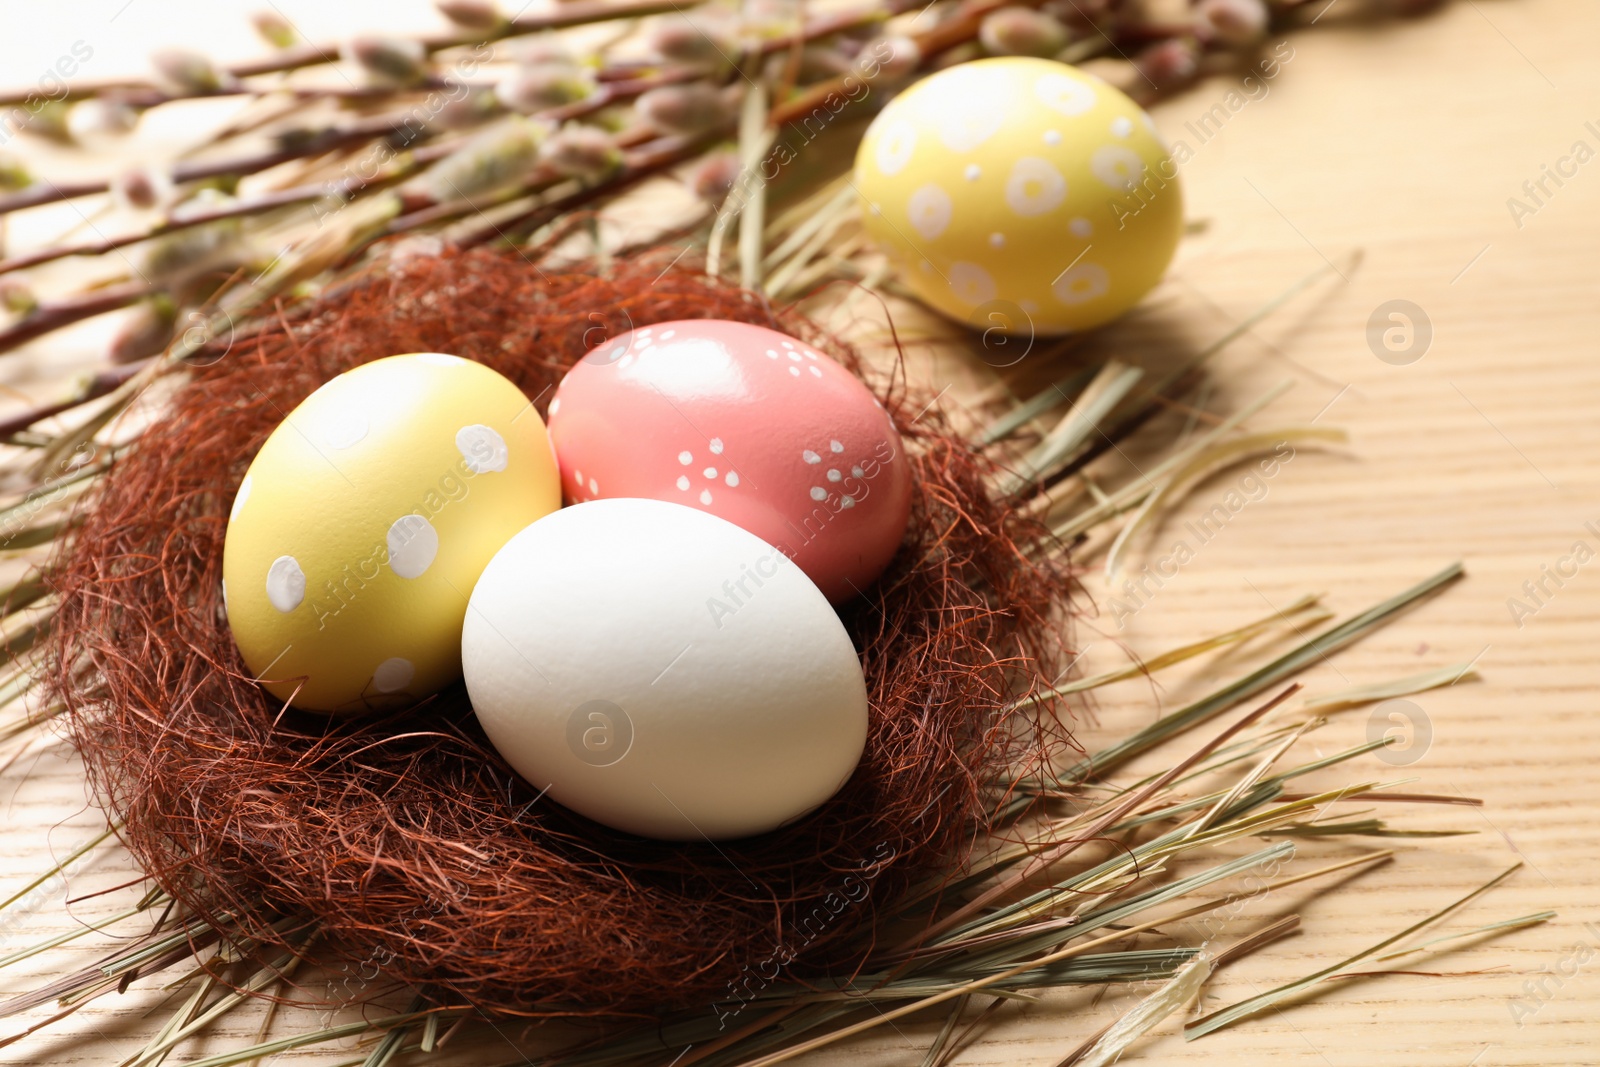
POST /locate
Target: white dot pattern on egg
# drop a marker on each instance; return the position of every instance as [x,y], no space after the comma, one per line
[717,447]
[1065,94]
[1119,167]
[971,284]
[929,210]
[1008,172]
[895,146]
[366,518]
[413,545]
[393,674]
[483,450]
[735,419]
[1084,282]
[1034,187]
[286,583]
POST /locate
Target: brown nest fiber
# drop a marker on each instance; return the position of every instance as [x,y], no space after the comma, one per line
[403,837]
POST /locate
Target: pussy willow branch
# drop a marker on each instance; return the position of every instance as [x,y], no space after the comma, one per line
[54,315]
[667,152]
[144,97]
[421,213]
[322,141]
[648,159]
[609,92]
[621,87]
[259,205]
[301,56]
[625,86]
[959,28]
[98,384]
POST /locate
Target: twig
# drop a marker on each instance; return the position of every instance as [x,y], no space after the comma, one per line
[68,310]
[300,56]
[93,387]
[647,160]
[323,141]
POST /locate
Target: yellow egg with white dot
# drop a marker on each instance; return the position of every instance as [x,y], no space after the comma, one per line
[1020,193]
[362,525]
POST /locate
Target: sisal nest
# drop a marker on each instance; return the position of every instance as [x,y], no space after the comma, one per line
[403,837]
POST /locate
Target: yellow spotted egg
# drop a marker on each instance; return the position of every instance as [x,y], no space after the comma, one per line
[364,522]
[1022,193]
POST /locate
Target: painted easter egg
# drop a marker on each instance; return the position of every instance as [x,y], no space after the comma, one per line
[660,670]
[750,425]
[1020,193]
[364,521]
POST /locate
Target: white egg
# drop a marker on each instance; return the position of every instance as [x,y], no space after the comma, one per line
[663,671]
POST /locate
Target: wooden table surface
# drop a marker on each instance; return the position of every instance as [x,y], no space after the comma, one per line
[1411,142]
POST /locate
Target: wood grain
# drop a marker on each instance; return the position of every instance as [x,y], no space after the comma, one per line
[1404,140]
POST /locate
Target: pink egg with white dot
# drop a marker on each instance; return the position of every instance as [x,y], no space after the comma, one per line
[749,424]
